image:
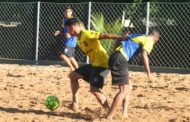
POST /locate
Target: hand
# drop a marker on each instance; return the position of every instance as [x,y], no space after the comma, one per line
[67,35]
[57,33]
[124,38]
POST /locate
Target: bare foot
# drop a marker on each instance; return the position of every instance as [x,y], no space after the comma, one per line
[74,107]
[72,69]
[107,109]
[108,117]
[102,120]
[125,116]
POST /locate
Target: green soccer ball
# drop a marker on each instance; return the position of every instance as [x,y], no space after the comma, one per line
[52,102]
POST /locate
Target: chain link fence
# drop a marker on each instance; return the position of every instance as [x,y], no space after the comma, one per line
[18,27]
[17,30]
[51,19]
[172,19]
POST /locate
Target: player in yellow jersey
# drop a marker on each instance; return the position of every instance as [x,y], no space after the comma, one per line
[95,72]
[118,63]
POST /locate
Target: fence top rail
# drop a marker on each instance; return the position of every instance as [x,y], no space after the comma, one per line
[40,2]
[16,2]
[144,3]
[97,2]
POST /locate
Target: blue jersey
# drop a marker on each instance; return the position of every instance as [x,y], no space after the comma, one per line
[65,30]
[72,41]
[135,44]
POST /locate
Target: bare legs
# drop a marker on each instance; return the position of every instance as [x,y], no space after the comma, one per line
[74,62]
[74,77]
[126,102]
[122,97]
[100,97]
[70,61]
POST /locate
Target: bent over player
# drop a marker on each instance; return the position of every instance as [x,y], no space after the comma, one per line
[95,72]
[118,63]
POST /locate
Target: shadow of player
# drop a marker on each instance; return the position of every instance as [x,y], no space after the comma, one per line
[40,112]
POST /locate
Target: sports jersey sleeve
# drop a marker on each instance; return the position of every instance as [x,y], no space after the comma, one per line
[92,35]
[148,45]
[146,42]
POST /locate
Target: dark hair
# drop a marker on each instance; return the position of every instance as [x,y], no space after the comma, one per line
[126,30]
[154,31]
[67,8]
[72,21]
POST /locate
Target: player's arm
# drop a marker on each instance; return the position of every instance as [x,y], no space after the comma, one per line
[112,36]
[60,31]
[116,44]
[145,61]
[56,33]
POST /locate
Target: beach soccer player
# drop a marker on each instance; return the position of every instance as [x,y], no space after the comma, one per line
[118,63]
[95,72]
[68,51]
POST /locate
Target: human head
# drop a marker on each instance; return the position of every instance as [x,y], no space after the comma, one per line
[68,12]
[155,34]
[73,26]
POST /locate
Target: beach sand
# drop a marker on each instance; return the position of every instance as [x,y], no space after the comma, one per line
[23,89]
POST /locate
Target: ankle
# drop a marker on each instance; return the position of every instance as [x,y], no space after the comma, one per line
[109,117]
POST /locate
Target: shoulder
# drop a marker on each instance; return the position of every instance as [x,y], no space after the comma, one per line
[90,33]
[138,38]
[136,35]
[148,44]
[64,20]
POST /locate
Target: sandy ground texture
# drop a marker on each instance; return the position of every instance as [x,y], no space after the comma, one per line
[24,88]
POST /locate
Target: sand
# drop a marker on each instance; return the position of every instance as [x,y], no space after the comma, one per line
[23,89]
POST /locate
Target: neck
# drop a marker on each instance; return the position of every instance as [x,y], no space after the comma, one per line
[153,39]
[69,17]
[78,33]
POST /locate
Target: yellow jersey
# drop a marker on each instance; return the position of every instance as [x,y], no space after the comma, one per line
[90,44]
[135,44]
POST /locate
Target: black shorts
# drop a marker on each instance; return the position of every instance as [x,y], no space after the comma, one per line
[119,69]
[93,75]
[68,51]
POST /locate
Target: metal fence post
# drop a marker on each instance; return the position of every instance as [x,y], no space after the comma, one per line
[147,17]
[37,32]
[89,20]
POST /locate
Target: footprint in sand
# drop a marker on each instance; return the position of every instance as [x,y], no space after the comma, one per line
[20,106]
[89,114]
[172,120]
[140,95]
[182,89]
[33,103]
[12,75]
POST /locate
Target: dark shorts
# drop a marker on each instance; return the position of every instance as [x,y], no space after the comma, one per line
[119,69]
[68,51]
[93,75]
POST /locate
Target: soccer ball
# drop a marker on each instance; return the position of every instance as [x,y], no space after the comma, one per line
[52,102]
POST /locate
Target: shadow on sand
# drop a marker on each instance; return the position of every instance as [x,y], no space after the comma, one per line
[40,112]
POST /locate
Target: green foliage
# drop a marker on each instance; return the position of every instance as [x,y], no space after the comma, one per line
[99,24]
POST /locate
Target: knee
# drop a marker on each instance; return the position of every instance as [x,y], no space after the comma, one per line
[130,87]
[94,90]
[62,56]
[123,93]
[72,76]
